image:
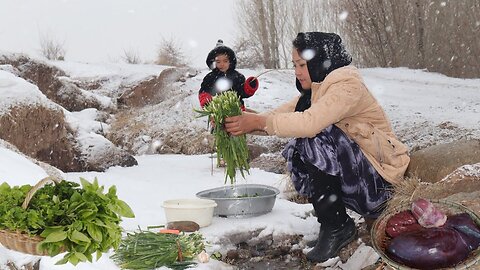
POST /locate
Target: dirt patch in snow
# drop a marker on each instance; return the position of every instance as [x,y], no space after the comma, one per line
[41,133]
[418,136]
[140,138]
[150,91]
[154,90]
[274,163]
[286,252]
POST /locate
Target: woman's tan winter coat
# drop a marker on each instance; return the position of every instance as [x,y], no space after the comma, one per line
[343,99]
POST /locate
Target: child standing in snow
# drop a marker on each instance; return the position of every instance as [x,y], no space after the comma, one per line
[223,77]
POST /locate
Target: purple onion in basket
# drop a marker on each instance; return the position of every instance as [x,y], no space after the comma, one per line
[427,214]
[468,229]
[430,248]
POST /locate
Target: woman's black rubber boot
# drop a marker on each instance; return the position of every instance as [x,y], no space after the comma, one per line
[331,239]
[337,228]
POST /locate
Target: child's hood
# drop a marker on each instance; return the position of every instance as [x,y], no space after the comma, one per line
[220,48]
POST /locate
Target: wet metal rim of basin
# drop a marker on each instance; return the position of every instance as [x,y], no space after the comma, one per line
[246,200]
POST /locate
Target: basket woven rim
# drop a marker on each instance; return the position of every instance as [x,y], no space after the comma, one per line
[383,218]
[21,234]
[21,241]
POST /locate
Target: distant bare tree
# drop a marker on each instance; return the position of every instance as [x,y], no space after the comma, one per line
[439,35]
[271,25]
[420,31]
[246,55]
[452,37]
[171,53]
[51,48]
[380,33]
[131,56]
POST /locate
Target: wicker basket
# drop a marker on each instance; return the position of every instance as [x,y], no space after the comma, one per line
[20,241]
[380,239]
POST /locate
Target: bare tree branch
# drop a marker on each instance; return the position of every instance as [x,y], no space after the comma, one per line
[170,53]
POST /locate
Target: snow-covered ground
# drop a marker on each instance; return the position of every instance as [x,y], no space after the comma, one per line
[413,99]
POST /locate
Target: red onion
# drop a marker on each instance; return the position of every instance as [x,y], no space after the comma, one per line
[427,215]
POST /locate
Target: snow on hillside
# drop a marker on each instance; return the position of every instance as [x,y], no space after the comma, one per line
[440,108]
[14,91]
[417,102]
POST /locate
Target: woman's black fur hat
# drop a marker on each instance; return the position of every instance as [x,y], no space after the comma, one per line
[326,52]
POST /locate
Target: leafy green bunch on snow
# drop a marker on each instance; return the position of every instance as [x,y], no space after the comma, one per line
[79,220]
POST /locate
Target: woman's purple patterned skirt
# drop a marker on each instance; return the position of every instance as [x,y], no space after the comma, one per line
[333,153]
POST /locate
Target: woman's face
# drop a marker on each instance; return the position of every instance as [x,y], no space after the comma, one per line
[301,70]
[222,62]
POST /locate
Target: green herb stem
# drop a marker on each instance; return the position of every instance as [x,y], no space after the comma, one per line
[232,149]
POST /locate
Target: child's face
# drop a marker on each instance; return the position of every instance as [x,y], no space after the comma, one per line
[222,62]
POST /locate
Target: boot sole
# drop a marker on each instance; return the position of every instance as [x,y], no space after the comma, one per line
[313,243]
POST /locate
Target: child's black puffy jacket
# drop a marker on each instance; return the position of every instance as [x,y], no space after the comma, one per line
[209,88]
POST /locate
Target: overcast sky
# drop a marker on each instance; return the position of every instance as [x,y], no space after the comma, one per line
[101,30]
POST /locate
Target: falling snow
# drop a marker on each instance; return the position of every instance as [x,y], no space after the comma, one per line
[343,15]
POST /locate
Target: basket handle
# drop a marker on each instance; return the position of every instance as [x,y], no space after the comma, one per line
[37,186]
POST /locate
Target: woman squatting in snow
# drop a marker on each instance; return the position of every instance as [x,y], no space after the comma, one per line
[344,152]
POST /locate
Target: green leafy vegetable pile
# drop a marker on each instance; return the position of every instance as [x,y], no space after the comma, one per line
[80,221]
[232,149]
[246,195]
[149,250]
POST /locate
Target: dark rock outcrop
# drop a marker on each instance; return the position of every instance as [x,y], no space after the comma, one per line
[41,133]
[154,90]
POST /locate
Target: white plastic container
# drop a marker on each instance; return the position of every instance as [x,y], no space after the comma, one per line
[196,210]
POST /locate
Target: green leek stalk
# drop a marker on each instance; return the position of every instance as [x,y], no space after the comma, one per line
[232,149]
[150,250]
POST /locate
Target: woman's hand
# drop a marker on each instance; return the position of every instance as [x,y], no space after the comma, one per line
[244,123]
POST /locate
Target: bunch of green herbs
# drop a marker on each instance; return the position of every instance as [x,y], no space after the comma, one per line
[231,149]
[150,250]
[80,221]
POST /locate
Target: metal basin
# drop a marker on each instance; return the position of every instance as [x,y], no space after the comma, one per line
[246,200]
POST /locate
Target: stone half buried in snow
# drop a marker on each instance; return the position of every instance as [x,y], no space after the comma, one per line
[99,154]
[183,226]
[363,257]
